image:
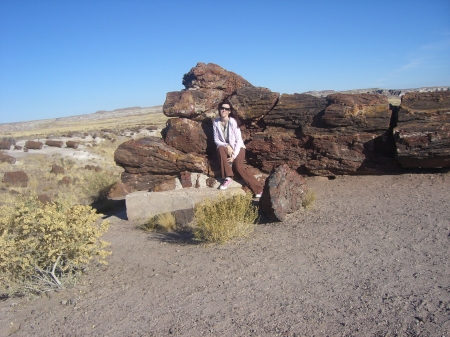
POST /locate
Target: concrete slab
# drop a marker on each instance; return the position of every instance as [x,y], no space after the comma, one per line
[141,206]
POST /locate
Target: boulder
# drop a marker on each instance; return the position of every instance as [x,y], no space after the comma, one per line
[422,134]
[54,143]
[119,190]
[17,178]
[57,169]
[44,199]
[33,145]
[283,193]
[5,158]
[295,111]
[189,136]
[17,147]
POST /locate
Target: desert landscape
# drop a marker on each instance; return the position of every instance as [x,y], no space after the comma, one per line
[370,258]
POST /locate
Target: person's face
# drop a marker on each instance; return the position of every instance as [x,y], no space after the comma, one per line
[225,110]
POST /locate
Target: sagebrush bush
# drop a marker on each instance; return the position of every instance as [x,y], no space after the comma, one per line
[162,222]
[42,246]
[225,218]
[308,199]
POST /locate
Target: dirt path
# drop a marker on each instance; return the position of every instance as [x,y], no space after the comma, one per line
[371,259]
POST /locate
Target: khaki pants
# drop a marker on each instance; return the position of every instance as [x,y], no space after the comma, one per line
[238,166]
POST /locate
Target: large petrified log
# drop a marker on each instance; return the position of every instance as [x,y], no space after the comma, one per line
[189,136]
[148,162]
[206,86]
[422,135]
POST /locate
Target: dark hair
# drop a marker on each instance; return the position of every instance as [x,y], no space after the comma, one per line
[233,112]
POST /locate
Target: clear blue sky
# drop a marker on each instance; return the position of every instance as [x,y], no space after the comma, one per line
[72,57]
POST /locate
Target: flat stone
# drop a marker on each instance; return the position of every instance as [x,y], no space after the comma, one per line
[142,206]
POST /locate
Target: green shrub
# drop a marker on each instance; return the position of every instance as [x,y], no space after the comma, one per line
[46,246]
[224,219]
[163,222]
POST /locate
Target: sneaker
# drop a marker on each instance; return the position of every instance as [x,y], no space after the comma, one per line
[226,183]
[258,195]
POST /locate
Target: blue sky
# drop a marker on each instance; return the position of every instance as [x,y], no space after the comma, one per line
[72,57]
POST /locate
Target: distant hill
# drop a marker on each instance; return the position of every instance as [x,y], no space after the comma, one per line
[385,92]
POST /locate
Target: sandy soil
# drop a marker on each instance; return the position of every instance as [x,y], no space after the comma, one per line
[370,259]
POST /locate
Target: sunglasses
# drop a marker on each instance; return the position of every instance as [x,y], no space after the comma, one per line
[226,109]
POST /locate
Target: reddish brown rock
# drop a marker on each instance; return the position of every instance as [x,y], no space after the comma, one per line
[152,127]
[167,185]
[33,145]
[212,76]
[210,182]
[283,193]
[44,199]
[189,136]
[185,178]
[4,158]
[72,144]
[5,145]
[253,103]
[57,169]
[17,147]
[361,112]
[422,135]
[296,110]
[92,168]
[150,155]
[143,181]
[17,178]
[198,104]
[119,190]
[54,143]
[65,181]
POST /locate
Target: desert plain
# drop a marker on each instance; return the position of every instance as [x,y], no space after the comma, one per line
[370,258]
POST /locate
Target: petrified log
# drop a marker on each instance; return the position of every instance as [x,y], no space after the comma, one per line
[33,145]
[54,143]
[293,111]
[422,135]
[189,136]
[17,178]
[72,144]
[361,112]
[150,155]
[5,145]
[253,103]
[4,158]
[143,181]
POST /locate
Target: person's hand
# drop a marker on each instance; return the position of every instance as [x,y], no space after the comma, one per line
[229,150]
[230,160]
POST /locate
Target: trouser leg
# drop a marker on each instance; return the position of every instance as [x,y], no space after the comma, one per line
[249,179]
[225,166]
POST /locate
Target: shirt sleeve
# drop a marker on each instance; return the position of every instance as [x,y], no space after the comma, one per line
[238,142]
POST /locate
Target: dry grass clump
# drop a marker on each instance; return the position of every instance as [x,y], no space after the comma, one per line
[308,199]
[164,222]
[47,246]
[224,219]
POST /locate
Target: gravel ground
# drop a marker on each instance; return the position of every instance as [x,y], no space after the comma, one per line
[371,258]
